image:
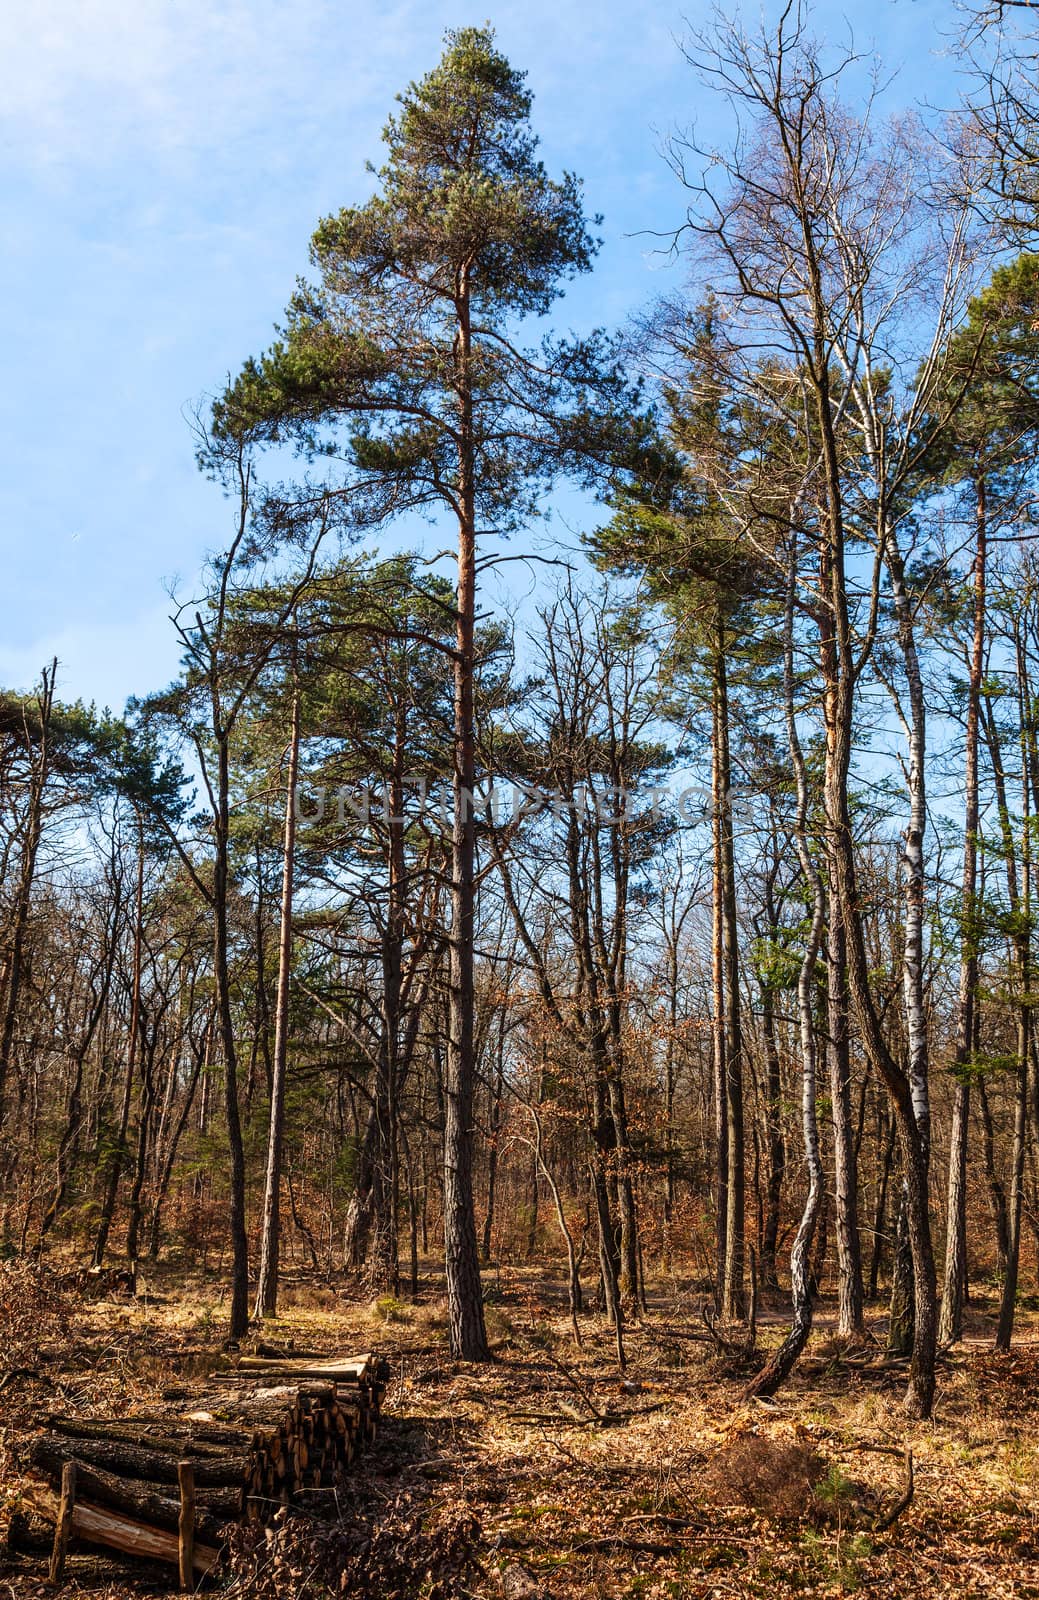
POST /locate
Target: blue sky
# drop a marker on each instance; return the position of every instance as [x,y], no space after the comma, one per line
[162,165]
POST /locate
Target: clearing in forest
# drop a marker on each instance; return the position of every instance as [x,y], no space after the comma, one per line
[547,1473]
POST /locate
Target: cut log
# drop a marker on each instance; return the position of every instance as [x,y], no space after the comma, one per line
[156,1433]
[135,1461]
[116,1531]
[277,1352]
[26,1539]
[147,1502]
[259,1436]
[342,1369]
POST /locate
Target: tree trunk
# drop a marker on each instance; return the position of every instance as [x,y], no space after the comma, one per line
[996,1193]
[144,1131]
[950,1324]
[776,1143]
[12,968]
[267,1285]
[733,1300]
[496,1120]
[461,1249]
[845,1167]
[779,1366]
[118,1154]
[169,1154]
[886,1134]
[239,1311]
[900,1313]
[839,678]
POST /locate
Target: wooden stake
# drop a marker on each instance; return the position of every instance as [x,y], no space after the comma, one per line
[186,1526]
[63,1524]
[103,1525]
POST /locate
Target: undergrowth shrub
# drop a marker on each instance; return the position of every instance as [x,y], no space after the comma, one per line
[35,1311]
[403,1556]
[773,1476]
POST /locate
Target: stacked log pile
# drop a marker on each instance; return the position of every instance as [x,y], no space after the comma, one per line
[168,1488]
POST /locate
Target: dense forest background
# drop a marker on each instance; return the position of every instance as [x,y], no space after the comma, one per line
[677,918]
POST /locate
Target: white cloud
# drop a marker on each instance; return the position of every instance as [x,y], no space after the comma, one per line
[85,80]
[106,662]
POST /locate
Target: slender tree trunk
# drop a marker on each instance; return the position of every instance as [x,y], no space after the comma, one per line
[1019,897]
[950,1324]
[118,1154]
[609,1235]
[886,1155]
[850,1323]
[776,1142]
[718,1031]
[267,1284]
[609,1261]
[11,970]
[627,1212]
[496,1120]
[172,1144]
[669,1101]
[996,1193]
[905,1295]
[239,1312]
[461,1249]
[839,679]
[1008,1298]
[900,1312]
[779,1366]
[1022,906]
[144,1132]
[733,1298]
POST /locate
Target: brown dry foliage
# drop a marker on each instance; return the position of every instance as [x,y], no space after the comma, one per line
[402,1555]
[497,1480]
[776,1477]
[35,1311]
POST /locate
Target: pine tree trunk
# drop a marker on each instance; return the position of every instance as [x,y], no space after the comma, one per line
[849,1323]
[733,1299]
[169,1155]
[900,1311]
[11,968]
[838,662]
[461,1249]
[119,1151]
[950,1324]
[776,1143]
[267,1285]
[779,1366]
[996,1193]
[718,1031]
[239,1310]
[886,1134]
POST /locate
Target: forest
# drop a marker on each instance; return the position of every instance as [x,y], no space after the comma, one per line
[591,964]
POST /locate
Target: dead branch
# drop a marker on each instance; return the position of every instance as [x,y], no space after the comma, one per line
[904,1500]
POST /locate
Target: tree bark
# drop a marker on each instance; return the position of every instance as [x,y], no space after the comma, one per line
[950,1323]
[267,1284]
[118,1154]
[839,679]
[733,1298]
[779,1366]
[12,967]
[849,1323]
[239,1310]
[468,1334]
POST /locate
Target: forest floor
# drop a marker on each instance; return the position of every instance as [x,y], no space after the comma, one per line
[547,1476]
